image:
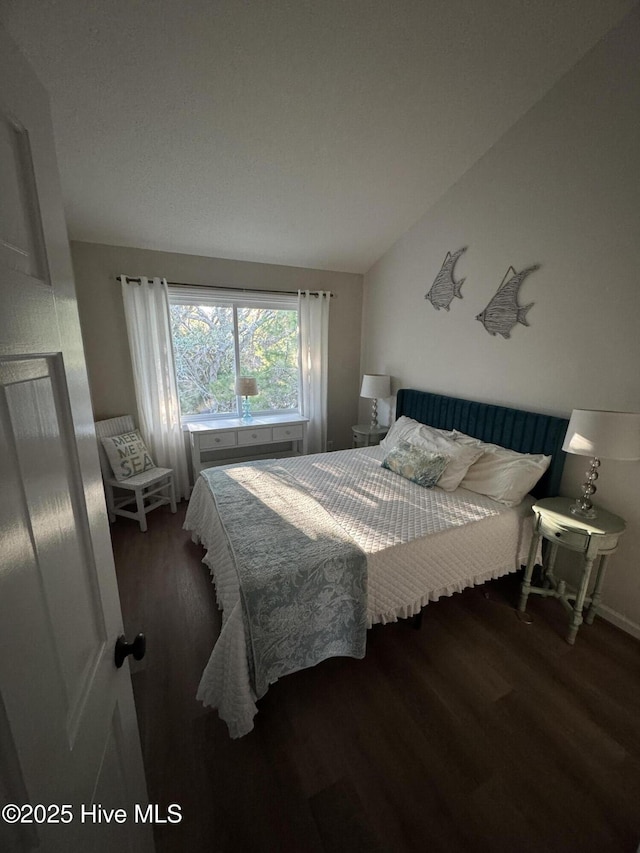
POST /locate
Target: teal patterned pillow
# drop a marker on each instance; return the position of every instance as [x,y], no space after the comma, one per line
[416,464]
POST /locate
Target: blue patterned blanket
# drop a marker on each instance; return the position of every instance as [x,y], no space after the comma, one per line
[302,580]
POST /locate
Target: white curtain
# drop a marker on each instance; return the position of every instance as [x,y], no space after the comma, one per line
[314,360]
[146,308]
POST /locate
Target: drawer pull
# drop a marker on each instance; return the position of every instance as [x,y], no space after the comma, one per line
[217,441]
[287,432]
[253,435]
[558,533]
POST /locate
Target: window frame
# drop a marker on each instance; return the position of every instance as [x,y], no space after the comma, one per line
[235,299]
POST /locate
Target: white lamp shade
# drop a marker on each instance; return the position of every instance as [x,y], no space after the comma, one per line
[375,386]
[606,435]
[246,386]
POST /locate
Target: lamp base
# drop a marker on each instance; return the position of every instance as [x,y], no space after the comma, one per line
[582,511]
[583,507]
[374,414]
[246,410]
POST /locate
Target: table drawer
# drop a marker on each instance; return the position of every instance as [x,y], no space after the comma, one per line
[287,433]
[260,435]
[212,440]
[576,540]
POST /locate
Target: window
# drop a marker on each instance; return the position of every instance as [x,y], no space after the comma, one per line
[219,335]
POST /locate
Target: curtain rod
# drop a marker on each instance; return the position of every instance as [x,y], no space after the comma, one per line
[222,287]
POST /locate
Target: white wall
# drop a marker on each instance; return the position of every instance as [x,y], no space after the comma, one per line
[104,332]
[561,188]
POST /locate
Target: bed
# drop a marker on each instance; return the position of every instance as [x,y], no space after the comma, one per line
[307,553]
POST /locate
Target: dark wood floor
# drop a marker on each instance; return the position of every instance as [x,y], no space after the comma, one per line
[476,733]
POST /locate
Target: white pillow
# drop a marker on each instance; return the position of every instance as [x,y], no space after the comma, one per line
[435,441]
[127,454]
[405,429]
[501,474]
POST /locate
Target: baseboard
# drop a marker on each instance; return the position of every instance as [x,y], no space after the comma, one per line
[619,621]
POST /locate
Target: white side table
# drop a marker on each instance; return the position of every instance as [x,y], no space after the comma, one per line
[213,440]
[595,538]
[364,435]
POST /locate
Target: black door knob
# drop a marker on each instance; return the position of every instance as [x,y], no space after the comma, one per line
[137,648]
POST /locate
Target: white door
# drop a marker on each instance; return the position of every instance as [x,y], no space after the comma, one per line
[68,730]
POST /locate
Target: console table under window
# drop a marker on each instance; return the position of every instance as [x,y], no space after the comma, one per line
[222,441]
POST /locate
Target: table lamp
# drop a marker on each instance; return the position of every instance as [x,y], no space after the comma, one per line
[606,435]
[375,385]
[247,387]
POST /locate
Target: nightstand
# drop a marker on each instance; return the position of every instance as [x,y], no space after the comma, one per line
[594,538]
[364,435]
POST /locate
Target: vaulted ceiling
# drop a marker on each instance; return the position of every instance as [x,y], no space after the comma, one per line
[298,132]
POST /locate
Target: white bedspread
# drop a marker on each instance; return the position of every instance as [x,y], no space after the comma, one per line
[420,543]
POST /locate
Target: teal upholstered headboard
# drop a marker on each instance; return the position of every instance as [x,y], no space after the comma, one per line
[526,432]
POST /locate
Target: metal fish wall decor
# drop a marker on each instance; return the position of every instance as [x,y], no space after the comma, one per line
[503,312]
[444,287]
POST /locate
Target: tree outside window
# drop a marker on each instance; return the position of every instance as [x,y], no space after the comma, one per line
[214,343]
